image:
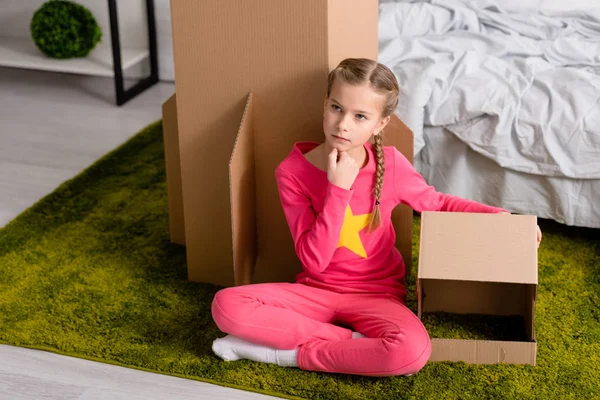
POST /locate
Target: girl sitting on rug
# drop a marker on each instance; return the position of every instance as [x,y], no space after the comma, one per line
[338,197]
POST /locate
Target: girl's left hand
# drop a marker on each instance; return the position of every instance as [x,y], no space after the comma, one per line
[539,231]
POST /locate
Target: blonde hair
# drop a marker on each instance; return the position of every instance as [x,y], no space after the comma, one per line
[360,71]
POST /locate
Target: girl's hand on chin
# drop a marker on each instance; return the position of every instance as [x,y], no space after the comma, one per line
[343,171]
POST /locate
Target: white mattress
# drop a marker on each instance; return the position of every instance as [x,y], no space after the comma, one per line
[452,167]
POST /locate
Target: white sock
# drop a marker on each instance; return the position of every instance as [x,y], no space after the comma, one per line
[287,358]
[231,348]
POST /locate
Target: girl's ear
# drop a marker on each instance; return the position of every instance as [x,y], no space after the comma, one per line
[382,124]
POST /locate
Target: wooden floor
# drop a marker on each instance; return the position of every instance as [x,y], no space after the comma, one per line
[53,126]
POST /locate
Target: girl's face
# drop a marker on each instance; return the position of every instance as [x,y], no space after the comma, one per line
[352,114]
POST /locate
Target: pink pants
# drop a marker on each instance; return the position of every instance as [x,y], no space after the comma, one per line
[293,315]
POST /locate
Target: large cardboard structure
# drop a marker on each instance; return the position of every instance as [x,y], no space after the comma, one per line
[250,80]
[479,264]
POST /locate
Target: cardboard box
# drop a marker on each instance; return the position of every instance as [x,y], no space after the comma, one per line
[479,264]
[250,80]
[173,170]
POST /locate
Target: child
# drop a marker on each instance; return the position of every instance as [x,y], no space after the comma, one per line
[346,313]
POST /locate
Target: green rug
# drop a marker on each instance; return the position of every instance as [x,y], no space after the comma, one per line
[89,271]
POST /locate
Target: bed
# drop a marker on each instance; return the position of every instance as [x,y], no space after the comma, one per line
[503,99]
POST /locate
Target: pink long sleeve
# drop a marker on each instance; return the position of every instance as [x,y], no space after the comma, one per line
[411,189]
[315,237]
[328,224]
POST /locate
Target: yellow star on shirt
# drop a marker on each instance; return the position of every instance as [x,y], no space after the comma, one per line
[349,236]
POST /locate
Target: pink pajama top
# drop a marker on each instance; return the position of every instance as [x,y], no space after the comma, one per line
[329,225]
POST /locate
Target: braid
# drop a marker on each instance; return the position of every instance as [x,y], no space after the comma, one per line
[376,217]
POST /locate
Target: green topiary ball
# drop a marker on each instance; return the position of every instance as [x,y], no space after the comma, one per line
[64,29]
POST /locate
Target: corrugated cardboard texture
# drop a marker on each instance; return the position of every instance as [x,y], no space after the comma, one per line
[279,50]
[478,247]
[351,25]
[483,351]
[420,297]
[243,199]
[530,311]
[173,167]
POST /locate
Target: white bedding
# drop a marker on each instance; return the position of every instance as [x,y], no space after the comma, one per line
[520,88]
[452,167]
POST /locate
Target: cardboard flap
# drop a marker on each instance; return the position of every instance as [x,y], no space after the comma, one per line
[173,169]
[397,134]
[483,351]
[419,290]
[243,199]
[478,247]
[530,311]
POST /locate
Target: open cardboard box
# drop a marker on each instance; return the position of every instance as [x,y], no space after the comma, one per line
[479,264]
[250,80]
